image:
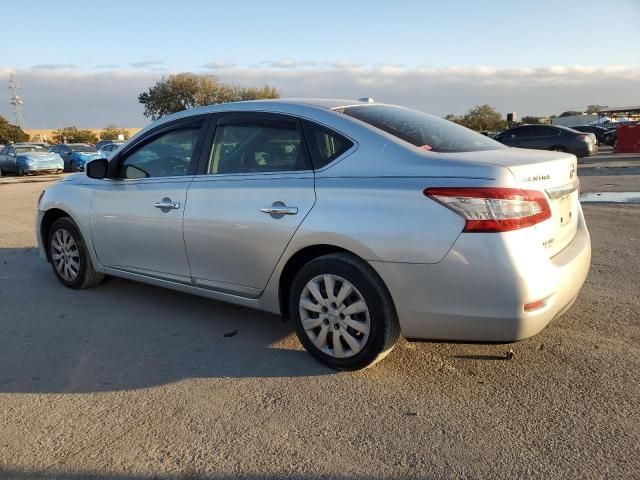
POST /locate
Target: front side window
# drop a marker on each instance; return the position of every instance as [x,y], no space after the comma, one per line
[325,145]
[257,148]
[168,155]
[422,130]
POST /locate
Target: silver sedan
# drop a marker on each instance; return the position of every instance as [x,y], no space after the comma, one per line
[359,221]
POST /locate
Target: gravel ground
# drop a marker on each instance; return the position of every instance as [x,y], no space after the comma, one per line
[129,381]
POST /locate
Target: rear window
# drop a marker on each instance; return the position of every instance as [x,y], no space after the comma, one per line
[421,129]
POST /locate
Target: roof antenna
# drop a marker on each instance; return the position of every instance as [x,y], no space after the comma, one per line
[366,99]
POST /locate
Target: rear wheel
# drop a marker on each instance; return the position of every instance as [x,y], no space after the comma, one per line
[343,313]
[70,258]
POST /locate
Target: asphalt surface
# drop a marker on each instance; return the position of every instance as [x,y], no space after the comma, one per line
[127,381]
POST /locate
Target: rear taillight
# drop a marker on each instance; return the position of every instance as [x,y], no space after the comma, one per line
[493,209]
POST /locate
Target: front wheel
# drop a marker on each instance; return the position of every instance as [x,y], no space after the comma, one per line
[69,256]
[343,313]
[20,171]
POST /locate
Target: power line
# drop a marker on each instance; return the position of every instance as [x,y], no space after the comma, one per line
[16,100]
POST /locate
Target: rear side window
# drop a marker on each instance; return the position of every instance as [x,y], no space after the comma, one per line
[257,147]
[546,132]
[325,145]
[421,129]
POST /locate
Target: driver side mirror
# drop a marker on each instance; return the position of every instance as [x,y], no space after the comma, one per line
[97,168]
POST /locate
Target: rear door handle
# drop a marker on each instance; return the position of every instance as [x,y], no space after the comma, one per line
[280,210]
[167,204]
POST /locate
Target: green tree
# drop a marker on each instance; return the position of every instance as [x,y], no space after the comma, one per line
[569,113]
[11,133]
[482,118]
[592,109]
[111,132]
[73,135]
[188,90]
[453,118]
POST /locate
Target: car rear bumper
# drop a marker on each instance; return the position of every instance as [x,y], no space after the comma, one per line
[478,291]
[586,150]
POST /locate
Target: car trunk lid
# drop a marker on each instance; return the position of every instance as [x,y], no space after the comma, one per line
[554,173]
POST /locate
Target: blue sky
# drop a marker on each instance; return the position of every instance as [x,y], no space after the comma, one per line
[81,43]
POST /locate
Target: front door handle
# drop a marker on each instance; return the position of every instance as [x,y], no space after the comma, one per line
[280,210]
[167,204]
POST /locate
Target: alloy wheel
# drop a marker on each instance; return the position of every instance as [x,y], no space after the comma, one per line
[65,255]
[335,316]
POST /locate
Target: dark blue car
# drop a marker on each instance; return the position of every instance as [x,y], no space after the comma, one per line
[75,155]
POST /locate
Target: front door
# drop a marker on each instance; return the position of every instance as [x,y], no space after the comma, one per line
[255,188]
[136,217]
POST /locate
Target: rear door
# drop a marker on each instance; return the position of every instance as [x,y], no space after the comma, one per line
[544,137]
[254,188]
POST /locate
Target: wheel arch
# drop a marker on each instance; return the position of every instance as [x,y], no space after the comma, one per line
[301,258]
[48,219]
[560,148]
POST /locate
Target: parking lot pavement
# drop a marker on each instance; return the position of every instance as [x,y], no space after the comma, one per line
[125,381]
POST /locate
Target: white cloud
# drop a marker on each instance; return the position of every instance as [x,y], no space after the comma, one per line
[218,65]
[54,66]
[146,63]
[96,98]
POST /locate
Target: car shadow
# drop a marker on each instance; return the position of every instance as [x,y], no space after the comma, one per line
[125,335]
[15,474]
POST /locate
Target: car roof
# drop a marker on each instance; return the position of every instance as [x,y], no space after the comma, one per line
[284,105]
[323,103]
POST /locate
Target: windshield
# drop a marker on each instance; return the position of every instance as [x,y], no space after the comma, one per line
[422,130]
[30,148]
[83,148]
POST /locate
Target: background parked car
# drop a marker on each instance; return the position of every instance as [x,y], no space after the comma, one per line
[107,150]
[611,136]
[25,158]
[75,155]
[102,143]
[550,137]
[599,132]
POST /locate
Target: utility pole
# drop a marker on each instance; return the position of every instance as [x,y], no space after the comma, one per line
[16,100]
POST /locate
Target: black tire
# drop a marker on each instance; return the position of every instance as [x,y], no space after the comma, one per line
[86,276]
[384,327]
[19,171]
